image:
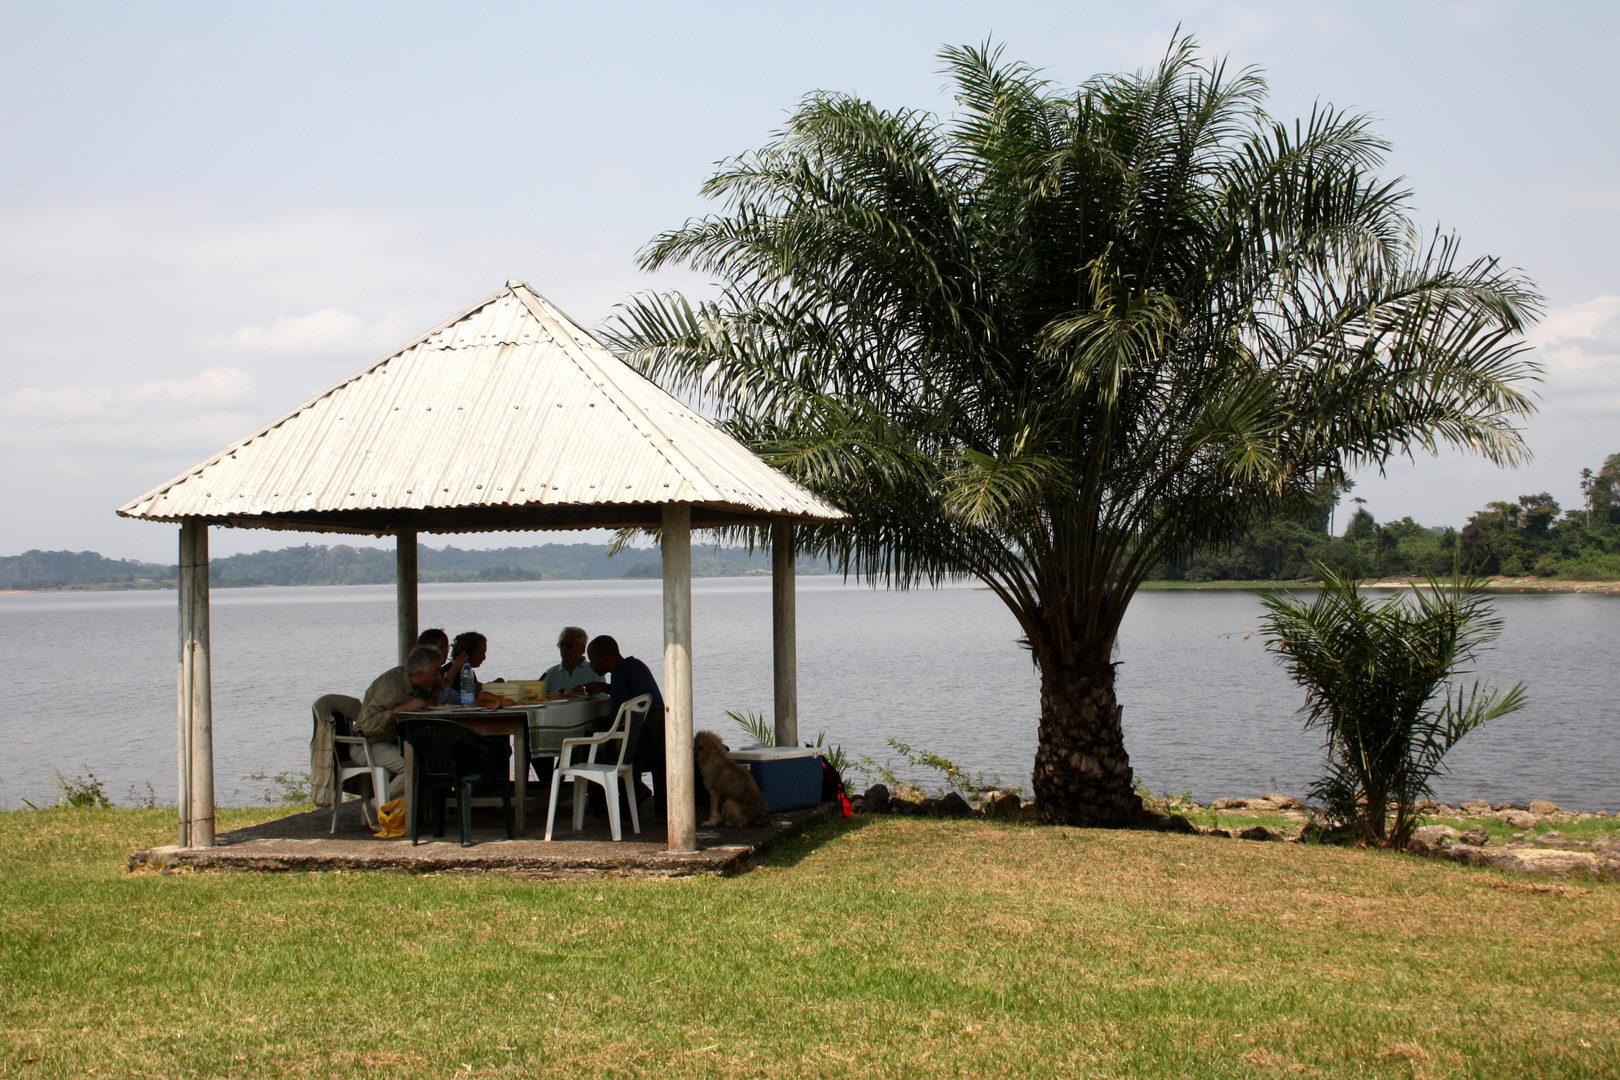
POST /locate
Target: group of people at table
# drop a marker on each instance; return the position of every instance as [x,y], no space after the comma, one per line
[431,677]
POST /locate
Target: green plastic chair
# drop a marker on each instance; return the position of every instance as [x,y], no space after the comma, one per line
[448,759]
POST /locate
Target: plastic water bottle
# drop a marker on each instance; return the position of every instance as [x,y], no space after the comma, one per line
[469,685]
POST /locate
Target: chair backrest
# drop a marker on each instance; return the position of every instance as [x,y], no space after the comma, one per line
[628,723]
[444,749]
[344,736]
[322,751]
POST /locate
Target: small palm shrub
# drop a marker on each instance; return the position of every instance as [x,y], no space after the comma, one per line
[756,727]
[1382,679]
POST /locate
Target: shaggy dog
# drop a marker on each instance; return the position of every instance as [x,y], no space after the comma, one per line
[734,797]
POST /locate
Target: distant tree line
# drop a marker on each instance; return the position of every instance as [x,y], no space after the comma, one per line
[1531,536]
[60,569]
[342,564]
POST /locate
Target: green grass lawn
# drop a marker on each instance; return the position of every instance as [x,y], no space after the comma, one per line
[892,947]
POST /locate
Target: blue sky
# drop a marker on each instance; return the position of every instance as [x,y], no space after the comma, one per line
[209,212]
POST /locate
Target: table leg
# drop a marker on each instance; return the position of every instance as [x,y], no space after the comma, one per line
[520,781]
[410,788]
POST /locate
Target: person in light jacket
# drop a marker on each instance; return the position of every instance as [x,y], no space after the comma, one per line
[397,691]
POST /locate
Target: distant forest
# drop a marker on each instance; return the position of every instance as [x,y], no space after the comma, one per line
[344,565]
[1531,536]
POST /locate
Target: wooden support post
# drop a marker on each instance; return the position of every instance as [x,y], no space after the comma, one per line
[678,777]
[196,791]
[405,590]
[784,633]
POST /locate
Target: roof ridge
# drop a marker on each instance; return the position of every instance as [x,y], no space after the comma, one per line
[547,312]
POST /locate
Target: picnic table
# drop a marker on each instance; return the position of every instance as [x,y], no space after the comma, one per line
[544,723]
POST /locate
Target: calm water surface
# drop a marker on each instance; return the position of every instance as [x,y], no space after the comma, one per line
[1206,709]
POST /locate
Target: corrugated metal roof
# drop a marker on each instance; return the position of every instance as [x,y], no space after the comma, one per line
[509,405]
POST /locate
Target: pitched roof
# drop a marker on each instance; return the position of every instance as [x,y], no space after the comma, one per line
[508,416]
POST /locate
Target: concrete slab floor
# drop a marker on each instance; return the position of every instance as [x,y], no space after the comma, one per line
[303,842]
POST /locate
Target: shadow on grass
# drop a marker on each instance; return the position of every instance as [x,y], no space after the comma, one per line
[792,852]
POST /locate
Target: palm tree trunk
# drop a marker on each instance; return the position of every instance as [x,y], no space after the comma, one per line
[1082,773]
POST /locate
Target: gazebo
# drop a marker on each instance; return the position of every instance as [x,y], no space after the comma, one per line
[507,417]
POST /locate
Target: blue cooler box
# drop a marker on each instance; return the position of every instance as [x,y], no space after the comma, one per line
[790,776]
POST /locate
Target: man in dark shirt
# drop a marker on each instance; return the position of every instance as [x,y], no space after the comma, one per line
[630,678]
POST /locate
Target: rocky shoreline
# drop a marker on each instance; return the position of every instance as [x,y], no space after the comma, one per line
[1528,851]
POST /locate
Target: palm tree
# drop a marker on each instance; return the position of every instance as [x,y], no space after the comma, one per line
[1380,679]
[1068,335]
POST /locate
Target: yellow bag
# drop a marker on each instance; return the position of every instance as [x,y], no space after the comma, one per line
[391,816]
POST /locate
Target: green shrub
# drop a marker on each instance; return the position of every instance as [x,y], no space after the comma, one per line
[974,787]
[1591,566]
[79,792]
[1380,679]
[284,788]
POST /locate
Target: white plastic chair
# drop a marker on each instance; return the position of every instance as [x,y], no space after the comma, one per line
[608,774]
[344,735]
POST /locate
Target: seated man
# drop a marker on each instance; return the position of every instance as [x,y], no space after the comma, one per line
[436,638]
[396,691]
[630,678]
[573,673]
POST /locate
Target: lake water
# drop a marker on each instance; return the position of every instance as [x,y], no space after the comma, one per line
[1206,709]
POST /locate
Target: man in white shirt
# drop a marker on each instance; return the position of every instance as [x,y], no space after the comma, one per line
[573,672]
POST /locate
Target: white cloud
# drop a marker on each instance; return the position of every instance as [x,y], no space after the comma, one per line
[208,390]
[1585,198]
[1579,346]
[87,429]
[211,387]
[324,332]
[1576,427]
